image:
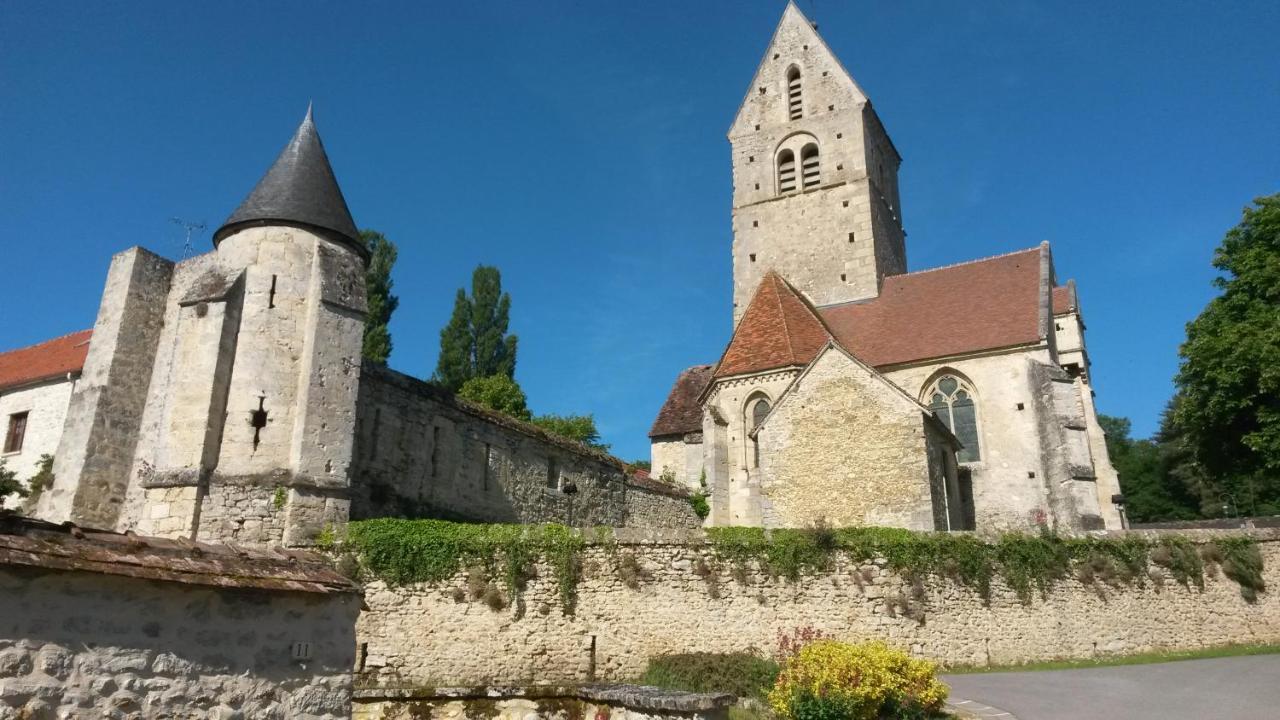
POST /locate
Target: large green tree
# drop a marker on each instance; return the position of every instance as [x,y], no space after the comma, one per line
[377,334]
[475,343]
[575,427]
[1229,381]
[497,392]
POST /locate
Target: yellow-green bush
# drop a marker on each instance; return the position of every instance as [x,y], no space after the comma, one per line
[866,681]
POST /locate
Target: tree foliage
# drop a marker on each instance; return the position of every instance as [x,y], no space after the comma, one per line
[382,303]
[475,342]
[9,483]
[497,392]
[575,427]
[1153,477]
[1229,380]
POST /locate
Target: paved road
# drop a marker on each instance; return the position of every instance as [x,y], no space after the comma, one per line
[1216,689]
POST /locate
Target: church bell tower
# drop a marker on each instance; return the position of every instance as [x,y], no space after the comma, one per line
[815,177]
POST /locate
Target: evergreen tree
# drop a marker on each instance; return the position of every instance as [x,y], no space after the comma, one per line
[1229,381]
[475,343]
[377,334]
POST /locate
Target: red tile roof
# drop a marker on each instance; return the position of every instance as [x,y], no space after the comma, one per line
[1064,299]
[979,305]
[779,329]
[681,413]
[49,359]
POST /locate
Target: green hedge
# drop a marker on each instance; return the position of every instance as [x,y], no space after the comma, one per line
[741,674]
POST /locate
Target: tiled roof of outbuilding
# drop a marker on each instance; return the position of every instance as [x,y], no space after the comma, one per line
[681,413]
[44,361]
[1064,299]
[970,307]
[35,543]
[779,329]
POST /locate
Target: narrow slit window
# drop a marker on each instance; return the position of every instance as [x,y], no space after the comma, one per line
[795,106]
[786,172]
[809,166]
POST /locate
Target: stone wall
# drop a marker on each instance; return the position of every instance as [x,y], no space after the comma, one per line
[810,460]
[420,452]
[631,702]
[89,645]
[46,407]
[688,601]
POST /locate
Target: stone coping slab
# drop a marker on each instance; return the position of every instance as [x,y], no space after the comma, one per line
[637,697]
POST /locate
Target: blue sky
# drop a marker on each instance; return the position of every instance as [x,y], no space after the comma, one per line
[581,148]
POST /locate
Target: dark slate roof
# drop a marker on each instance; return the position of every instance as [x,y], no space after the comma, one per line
[299,188]
[66,547]
[681,413]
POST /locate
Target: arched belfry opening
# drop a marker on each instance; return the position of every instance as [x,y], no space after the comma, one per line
[795,103]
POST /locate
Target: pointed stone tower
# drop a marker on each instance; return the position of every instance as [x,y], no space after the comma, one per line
[246,385]
[815,177]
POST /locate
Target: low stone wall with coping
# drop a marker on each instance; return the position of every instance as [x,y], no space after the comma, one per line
[643,594]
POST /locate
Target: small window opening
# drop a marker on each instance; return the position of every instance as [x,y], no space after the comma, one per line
[751,158]
[839,135]
[755,223]
[845,203]
[794,104]
[850,237]
[786,171]
[17,432]
[553,474]
[271,297]
[831,107]
[258,419]
[809,165]
[757,186]
[752,256]
[842,277]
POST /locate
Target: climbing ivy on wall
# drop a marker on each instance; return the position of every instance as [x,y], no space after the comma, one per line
[412,551]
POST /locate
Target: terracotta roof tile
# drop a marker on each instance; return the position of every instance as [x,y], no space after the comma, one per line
[49,359]
[779,329]
[979,305]
[1064,300]
[681,413]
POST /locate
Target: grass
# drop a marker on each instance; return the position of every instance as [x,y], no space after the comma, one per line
[1147,658]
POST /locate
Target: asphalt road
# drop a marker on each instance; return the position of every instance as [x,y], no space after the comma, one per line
[1216,689]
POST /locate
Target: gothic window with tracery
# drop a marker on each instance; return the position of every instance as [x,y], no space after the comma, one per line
[951,399]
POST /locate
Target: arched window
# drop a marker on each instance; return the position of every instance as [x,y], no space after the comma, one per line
[786,172]
[757,410]
[795,108]
[952,400]
[809,165]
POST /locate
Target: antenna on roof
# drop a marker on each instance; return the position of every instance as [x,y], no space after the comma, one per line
[190,226]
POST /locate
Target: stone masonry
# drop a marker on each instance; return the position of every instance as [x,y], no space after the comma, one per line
[688,601]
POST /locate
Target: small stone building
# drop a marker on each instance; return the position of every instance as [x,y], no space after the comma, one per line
[36,384]
[795,423]
[96,624]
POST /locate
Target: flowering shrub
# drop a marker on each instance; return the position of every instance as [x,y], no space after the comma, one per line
[829,680]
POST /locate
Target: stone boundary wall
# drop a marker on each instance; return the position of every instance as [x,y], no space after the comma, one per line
[421,452]
[684,601]
[632,702]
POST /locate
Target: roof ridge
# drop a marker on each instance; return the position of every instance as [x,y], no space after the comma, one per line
[782,312]
[971,262]
[44,342]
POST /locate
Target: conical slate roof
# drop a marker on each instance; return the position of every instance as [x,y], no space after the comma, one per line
[299,188]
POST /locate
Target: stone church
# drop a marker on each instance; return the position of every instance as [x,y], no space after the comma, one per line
[854,391]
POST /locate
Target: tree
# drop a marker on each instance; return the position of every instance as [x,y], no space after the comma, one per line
[497,392]
[1229,380]
[575,427]
[641,464]
[475,342]
[1151,492]
[377,334]
[9,483]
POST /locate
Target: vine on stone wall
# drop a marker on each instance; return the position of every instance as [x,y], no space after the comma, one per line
[402,552]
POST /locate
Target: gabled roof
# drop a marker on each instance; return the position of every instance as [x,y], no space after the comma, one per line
[681,413]
[1065,300]
[779,329]
[298,188]
[980,305]
[44,361]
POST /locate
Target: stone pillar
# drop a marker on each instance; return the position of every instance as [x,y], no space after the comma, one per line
[95,453]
